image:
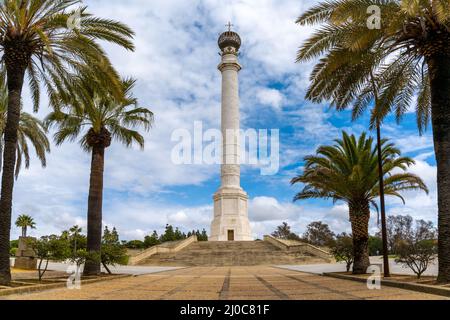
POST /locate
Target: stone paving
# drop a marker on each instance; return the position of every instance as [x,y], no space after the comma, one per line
[228,283]
[394,267]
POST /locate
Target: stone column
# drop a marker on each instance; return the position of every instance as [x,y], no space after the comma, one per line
[231,172]
[230,202]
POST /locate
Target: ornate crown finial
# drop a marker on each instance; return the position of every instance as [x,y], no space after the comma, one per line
[229,41]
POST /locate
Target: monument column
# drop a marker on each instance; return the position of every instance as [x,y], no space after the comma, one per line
[230,202]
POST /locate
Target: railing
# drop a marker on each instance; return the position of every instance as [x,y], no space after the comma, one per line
[297,246]
[134,260]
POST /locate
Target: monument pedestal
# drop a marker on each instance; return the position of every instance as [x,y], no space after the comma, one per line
[25,263]
[25,256]
[231,216]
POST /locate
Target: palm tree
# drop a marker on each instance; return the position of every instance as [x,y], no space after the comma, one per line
[30,129]
[45,40]
[74,233]
[98,117]
[348,171]
[24,221]
[409,53]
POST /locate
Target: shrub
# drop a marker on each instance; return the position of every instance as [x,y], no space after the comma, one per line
[319,234]
[113,252]
[135,244]
[152,240]
[48,248]
[283,231]
[419,248]
[342,249]
[14,244]
[12,252]
[375,246]
[417,255]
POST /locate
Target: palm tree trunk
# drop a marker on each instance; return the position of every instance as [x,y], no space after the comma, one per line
[439,70]
[24,232]
[94,232]
[359,218]
[15,74]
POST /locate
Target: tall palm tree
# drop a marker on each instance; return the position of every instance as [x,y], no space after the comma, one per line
[348,171]
[24,221]
[74,233]
[45,40]
[30,129]
[98,118]
[410,53]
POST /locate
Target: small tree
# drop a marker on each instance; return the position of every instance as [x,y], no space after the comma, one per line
[419,249]
[80,257]
[77,240]
[417,255]
[319,234]
[134,244]
[399,228]
[203,236]
[12,252]
[284,232]
[14,246]
[152,240]
[113,252]
[49,248]
[169,234]
[375,245]
[342,249]
[178,235]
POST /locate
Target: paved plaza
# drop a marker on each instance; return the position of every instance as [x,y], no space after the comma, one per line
[228,283]
[394,267]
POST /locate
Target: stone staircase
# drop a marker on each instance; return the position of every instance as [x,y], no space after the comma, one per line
[249,253]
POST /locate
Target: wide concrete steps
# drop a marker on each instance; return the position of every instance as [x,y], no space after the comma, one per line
[229,254]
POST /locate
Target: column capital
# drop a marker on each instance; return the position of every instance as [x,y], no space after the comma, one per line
[229,61]
[229,65]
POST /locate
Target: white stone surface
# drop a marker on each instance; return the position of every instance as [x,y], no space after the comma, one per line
[230,201]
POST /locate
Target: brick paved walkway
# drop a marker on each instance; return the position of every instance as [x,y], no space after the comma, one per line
[228,283]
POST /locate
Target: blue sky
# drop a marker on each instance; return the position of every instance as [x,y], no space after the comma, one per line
[175,64]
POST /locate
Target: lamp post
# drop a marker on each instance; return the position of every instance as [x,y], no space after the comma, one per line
[387,272]
[382,205]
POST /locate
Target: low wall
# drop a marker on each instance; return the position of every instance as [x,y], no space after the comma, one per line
[299,247]
[160,249]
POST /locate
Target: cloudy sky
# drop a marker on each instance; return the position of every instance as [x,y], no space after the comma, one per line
[175,63]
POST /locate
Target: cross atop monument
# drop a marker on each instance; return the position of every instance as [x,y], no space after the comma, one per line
[229,25]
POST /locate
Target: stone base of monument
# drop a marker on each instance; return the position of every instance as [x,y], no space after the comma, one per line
[25,255]
[25,263]
[231,216]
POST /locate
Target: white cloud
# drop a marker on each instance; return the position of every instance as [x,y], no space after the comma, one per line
[418,204]
[413,142]
[270,97]
[266,213]
[268,208]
